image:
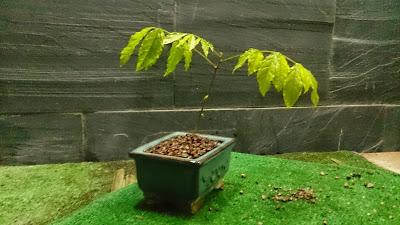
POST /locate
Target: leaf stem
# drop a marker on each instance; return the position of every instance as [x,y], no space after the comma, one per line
[205,58]
[217,53]
[230,58]
[264,51]
[289,59]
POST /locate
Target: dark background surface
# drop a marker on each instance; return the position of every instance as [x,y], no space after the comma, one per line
[64,98]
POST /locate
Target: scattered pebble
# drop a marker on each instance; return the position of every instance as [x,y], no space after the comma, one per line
[306,194]
[369,185]
[263,197]
[243,175]
[346,185]
[325,222]
[259,223]
[353,175]
[322,173]
[241,192]
[139,217]
[337,178]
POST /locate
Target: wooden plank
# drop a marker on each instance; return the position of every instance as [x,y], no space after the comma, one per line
[130,179]
[119,180]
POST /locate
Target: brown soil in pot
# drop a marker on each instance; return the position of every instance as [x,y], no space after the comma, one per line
[189,146]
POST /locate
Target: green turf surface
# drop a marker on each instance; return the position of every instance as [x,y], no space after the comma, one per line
[267,176]
[335,158]
[40,194]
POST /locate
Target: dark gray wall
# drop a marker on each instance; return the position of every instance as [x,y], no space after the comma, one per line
[64,98]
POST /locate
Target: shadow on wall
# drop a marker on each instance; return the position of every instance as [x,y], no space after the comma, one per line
[12,138]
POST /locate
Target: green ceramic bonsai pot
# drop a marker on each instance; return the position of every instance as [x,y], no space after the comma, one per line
[179,180]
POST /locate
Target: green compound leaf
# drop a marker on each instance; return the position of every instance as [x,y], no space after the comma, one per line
[275,70]
[293,87]
[150,50]
[271,70]
[129,49]
[175,56]
[172,37]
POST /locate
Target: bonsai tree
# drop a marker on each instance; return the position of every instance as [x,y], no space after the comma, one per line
[271,68]
[185,156]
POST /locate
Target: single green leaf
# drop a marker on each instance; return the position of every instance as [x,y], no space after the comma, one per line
[206,46]
[314,83]
[242,60]
[308,81]
[245,57]
[279,67]
[129,49]
[184,40]
[150,50]
[254,60]
[175,56]
[314,93]
[193,42]
[305,76]
[187,53]
[188,43]
[173,37]
[292,89]
[314,97]
[264,77]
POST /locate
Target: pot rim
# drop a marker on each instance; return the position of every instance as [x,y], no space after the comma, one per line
[141,150]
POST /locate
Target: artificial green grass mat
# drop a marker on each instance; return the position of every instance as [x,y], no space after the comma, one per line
[338,157]
[267,176]
[39,194]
